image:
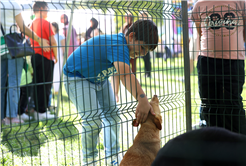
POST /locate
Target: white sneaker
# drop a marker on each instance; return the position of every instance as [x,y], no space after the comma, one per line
[9,121]
[43,116]
[24,117]
[114,160]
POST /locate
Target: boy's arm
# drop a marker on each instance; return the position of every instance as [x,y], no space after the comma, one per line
[54,46]
[42,42]
[129,80]
[115,80]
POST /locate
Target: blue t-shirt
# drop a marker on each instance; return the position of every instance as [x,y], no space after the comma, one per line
[94,58]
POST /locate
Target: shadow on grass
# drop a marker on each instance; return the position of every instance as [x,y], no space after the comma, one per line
[27,139]
[64,97]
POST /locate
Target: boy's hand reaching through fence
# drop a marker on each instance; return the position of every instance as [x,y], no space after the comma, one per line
[131,83]
[117,98]
[142,111]
[45,44]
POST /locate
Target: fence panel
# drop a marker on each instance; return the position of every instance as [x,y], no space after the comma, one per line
[57,136]
[217,64]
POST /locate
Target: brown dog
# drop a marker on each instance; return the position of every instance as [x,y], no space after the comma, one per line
[147,142]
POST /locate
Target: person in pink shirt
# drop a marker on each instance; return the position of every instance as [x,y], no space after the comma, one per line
[73,40]
[220,65]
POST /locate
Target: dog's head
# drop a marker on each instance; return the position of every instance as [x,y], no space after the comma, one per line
[155,105]
[157,119]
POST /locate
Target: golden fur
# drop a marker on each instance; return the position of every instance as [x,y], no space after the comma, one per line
[147,142]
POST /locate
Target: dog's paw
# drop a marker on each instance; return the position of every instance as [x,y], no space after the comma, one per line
[134,123]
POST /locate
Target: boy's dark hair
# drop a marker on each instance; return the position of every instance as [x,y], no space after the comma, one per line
[146,31]
[56,26]
[37,5]
[95,23]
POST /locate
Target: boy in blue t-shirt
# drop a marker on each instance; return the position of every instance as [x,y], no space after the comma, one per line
[86,81]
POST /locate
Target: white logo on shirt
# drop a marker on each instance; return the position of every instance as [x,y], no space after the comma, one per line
[228,23]
[223,16]
[101,76]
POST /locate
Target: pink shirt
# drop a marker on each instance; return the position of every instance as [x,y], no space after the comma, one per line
[73,39]
[222,28]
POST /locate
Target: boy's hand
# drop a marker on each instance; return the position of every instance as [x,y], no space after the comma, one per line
[45,44]
[116,98]
[142,111]
[56,60]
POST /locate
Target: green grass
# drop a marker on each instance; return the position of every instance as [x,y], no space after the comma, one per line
[57,142]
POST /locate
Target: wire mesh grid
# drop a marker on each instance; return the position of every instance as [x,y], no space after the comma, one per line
[217,87]
[57,141]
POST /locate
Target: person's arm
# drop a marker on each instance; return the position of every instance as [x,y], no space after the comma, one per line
[129,80]
[115,81]
[121,30]
[244,24]
[198,28]
[64,29]
[94,32]
[63,45]
[54,46]
[42,42]
[199,33]
[123,27]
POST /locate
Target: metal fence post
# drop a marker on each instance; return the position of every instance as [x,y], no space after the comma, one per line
[186,65]
[65,56]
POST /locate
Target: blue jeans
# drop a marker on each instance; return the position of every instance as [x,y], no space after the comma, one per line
[13,68]
[97,106]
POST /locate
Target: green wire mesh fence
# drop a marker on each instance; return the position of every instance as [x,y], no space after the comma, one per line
[55,131]
[221,82]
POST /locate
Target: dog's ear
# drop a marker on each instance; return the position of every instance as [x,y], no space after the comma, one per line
[157,122]
[134,123]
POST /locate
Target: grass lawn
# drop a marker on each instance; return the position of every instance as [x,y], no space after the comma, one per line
[57,141]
